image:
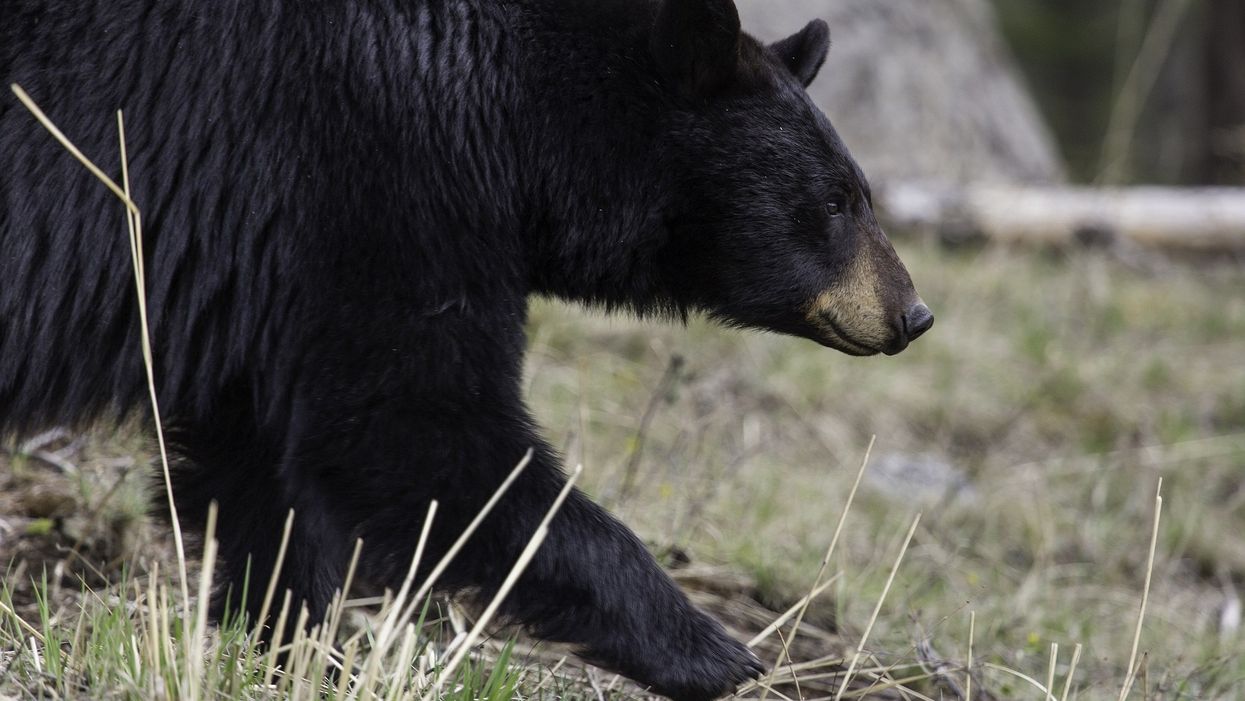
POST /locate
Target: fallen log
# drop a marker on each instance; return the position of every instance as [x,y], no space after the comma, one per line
[1196,220]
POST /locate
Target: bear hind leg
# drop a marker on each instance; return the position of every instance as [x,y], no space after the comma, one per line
[253,502]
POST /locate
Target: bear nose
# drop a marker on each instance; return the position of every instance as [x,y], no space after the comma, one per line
[917,320]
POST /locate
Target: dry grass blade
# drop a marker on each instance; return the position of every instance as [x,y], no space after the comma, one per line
[343,680]
[394,619]
[1145,594]
[1050,671]
[797,606]
[278,632]
[333,620]
[433,576]
[864,639]
[898,685]
[426,586]
[69,146]
[1019,675]
[198,634]
[1067,682]
[394,615]
[271,589]
[515,572]
[134,223]
[406,651]
[821,570]
[21,623]
[968,670]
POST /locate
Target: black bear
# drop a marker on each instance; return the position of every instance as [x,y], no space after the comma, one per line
[347,206]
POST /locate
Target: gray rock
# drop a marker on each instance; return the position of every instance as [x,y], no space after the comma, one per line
[919,479]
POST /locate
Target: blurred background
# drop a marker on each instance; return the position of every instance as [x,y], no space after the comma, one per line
[1108,92]
[1063,179]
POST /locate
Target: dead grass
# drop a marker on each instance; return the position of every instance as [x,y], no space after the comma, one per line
[1030,427]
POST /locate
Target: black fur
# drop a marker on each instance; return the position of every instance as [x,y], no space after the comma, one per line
[346,207]
[806,50]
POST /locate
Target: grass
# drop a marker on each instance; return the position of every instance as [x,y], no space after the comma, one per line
[104,651]
[128,638]
[1030,429]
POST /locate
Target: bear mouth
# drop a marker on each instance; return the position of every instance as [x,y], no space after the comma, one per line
[840,340]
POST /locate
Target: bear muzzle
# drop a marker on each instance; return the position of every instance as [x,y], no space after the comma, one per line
[855,331]
[912,323]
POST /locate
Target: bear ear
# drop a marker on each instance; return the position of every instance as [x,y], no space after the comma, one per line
[805,51]
[696,44]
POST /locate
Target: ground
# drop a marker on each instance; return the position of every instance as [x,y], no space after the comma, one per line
[1029,428]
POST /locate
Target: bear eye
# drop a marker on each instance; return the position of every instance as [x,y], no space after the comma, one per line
[834,207]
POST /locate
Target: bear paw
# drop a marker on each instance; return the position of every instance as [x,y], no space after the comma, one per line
[700,663]
[713,671]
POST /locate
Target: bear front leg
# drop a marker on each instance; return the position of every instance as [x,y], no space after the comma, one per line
[591,584]
[595,586]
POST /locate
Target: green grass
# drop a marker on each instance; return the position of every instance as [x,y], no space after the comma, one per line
[104,650]
[1029,427]
[134,638]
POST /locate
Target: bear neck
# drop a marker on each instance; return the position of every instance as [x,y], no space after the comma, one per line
[594,212]
[546,114]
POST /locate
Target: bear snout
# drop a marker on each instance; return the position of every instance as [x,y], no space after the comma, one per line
[913,322]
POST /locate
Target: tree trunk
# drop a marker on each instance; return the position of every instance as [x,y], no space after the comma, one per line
[1224,136]
[920,88]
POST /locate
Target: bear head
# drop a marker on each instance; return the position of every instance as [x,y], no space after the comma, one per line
[771,217]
